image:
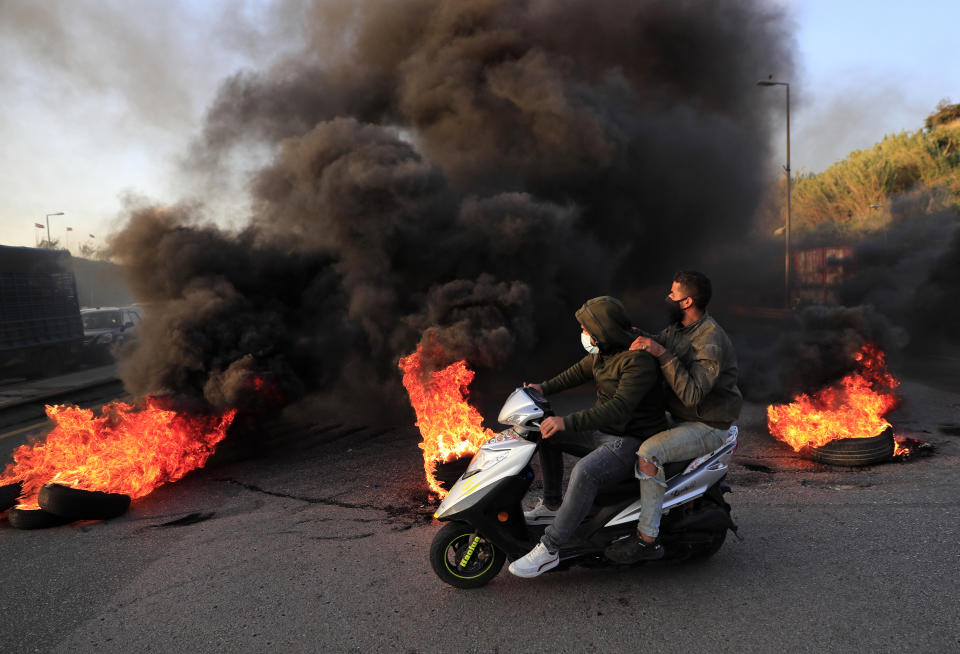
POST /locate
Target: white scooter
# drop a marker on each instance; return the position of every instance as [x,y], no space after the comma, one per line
[487,526]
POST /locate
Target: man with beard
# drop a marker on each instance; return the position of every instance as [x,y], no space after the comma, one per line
[700,368]
[629,409]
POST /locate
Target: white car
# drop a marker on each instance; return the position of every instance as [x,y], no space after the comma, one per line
[105,328]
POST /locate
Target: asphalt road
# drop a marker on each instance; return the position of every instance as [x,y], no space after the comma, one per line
[315,538]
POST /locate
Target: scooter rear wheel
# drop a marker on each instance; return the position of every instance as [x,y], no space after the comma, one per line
[463,558]
[711,548]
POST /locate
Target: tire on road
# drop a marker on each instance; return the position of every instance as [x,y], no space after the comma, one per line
[34,519]
[9,494]
[855,451]
[77,504]
[456,542]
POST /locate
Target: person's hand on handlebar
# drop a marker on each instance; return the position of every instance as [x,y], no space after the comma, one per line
[550,426]
[537,387]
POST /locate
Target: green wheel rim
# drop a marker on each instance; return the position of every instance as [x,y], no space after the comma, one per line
[455,570]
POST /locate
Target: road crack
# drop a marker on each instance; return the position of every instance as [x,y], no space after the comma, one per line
[394,513]
[354,537]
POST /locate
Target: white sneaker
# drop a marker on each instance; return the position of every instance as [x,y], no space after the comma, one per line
[536,562]
[539,514]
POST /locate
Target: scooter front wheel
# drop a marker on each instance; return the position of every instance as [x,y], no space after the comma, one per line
[463,558]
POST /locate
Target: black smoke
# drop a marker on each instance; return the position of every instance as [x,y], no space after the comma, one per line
[900,291]
[810,349]
[909,271]
[465,174]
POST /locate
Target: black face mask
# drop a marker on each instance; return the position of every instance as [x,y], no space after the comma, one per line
[674,312]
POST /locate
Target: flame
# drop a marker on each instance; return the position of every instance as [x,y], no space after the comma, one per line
[450,426]
[854,408]
[125,450]
[901,450]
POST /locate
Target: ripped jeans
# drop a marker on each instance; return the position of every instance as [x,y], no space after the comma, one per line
[606,459]
[686,440]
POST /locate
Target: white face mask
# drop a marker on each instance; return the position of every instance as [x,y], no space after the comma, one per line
[587,344]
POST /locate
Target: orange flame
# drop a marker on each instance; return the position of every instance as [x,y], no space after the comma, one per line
[854,408]
[450,426]
[124,450]
[899,449]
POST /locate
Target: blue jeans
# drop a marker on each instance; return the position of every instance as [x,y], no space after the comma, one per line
[687,440]
[606,459]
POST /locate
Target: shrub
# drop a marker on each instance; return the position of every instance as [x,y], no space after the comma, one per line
[852,197]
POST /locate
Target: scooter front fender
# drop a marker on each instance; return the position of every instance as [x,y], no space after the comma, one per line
[497,514]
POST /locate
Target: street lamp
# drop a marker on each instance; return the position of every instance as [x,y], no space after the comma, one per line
[49,242]
[786,264]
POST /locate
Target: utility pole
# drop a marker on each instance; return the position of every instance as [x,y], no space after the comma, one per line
[49,242]
[786,262]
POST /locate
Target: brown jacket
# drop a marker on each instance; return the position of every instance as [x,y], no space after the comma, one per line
[700,367]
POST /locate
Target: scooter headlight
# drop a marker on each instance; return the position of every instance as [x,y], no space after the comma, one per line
[515,418]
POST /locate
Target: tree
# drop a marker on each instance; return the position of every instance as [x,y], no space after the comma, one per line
[90,251]
[945,113]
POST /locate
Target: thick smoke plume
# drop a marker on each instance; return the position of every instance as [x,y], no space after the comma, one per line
[901,292]
[462,174]
[814,347]
[910,271]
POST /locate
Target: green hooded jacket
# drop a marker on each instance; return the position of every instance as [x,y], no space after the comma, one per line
[630,399]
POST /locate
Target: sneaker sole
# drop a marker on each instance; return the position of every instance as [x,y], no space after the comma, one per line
[535,573]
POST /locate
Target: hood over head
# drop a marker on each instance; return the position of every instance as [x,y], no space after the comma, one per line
[606,320]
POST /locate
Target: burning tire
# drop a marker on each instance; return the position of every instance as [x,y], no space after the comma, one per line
[855,451]
[77,504]
[9,494]
[463,558]
[34,519]
[448,473]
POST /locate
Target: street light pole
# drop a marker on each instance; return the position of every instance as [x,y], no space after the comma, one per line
[49,242]
[786,263]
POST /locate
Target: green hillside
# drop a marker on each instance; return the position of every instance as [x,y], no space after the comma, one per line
[857,195]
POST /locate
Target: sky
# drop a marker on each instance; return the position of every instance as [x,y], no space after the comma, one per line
[101,98]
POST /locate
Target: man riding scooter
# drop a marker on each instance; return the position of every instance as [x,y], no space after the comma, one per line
[629,409]
[699,365]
